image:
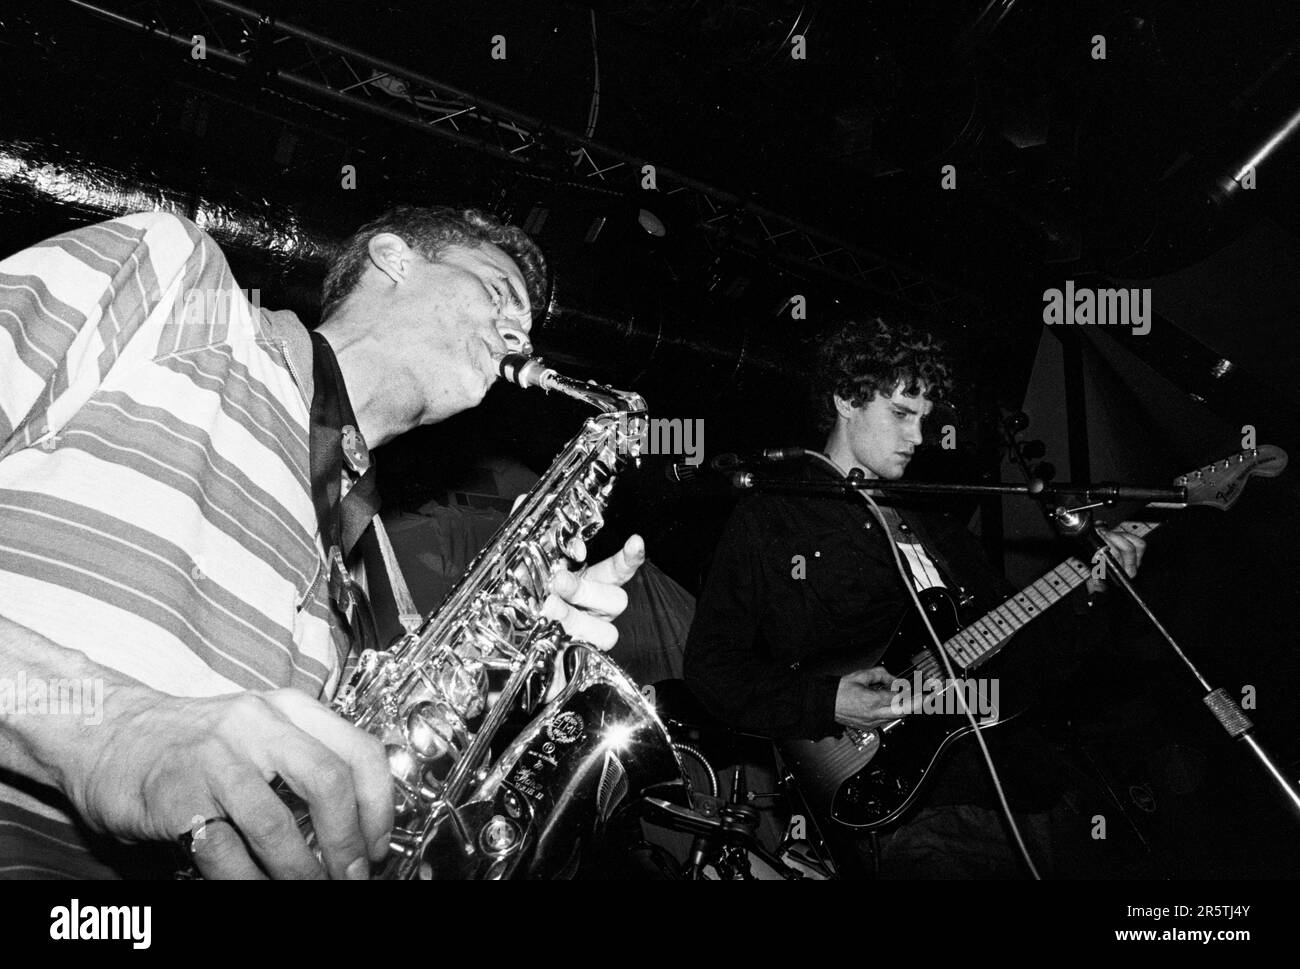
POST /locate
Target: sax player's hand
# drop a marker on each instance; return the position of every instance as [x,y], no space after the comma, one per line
[163,764]
[587,602]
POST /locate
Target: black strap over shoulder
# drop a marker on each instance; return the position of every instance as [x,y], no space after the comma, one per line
[345,523]
[938,552]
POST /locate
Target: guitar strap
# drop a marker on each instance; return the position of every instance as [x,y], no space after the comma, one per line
[914,529]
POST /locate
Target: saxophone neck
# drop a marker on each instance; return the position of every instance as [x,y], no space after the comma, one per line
[607,400]
[530,372]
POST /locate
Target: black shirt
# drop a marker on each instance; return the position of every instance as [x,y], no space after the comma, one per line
[798,581]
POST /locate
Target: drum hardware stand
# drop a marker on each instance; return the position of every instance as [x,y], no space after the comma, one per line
[1077,522]
[723,842]
[715,834]
[736,816]
[826,858]
[726,832]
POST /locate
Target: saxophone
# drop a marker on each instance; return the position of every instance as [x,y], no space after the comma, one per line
[476,795]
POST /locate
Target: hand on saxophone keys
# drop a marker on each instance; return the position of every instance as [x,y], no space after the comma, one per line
[199,770]
[587,602]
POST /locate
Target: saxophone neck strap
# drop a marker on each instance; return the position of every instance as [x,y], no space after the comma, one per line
[344,522]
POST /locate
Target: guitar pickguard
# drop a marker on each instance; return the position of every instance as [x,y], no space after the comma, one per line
[886,787]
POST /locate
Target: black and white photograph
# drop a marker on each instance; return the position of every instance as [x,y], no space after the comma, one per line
[641,441]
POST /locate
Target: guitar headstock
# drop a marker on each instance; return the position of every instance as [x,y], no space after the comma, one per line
[1221,483]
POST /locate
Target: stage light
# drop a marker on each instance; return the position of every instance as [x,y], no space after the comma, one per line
[651,223]
[1222,368]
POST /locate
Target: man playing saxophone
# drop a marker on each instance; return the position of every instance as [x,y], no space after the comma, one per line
[160,532]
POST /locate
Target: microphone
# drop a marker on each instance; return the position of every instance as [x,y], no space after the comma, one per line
[689,474]
[772,455]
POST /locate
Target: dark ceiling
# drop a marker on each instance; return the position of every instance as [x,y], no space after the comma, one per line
[1057,152]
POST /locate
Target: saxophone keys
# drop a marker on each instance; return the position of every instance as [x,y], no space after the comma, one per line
[435,733]
[500,835]
[404,765]
[464,685]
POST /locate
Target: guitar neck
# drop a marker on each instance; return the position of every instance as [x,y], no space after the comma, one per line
[979,641]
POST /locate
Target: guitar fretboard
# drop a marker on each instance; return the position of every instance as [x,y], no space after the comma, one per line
[979,641]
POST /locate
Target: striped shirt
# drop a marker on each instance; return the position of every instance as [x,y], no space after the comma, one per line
[155,506]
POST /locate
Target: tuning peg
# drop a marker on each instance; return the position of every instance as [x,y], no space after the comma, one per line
[1032,450]
[1045,471]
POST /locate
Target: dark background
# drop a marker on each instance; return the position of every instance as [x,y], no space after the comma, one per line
[1067,167]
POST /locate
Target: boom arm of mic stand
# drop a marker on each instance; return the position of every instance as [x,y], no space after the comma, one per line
[1170,496]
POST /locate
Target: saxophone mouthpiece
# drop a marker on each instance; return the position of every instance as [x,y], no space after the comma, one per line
[526,372]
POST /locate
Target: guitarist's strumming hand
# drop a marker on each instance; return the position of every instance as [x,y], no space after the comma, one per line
[869,698]
[1128,549]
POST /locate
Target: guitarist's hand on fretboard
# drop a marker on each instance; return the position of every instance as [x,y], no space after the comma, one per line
[869,698]
[1127,548]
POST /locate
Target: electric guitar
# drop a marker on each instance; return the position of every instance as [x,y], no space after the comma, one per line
[867,779]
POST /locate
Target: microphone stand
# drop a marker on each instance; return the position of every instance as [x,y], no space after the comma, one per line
[1078,522]
[1074,522]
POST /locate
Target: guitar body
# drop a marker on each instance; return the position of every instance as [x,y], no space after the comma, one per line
[868,779]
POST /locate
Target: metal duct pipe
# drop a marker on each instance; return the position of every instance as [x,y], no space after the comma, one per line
[36,174]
